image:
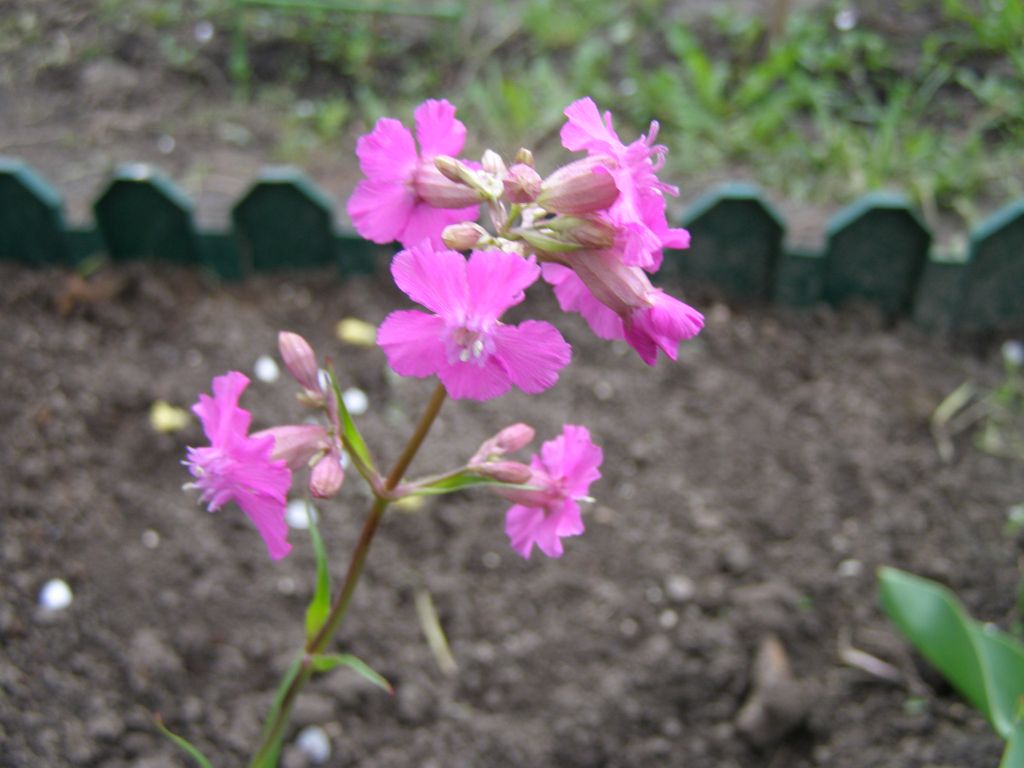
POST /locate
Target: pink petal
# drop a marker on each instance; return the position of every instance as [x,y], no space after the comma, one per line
[665,324]
[568,521]
[437,130]
[434,278]
[521,524]
[413,342]
[532,353]
[268,516]
[573,457]
[220,415]
[427,223]
[380,209]
[471,381]
[574,296]
[388,152]
[497,281]
[587,129]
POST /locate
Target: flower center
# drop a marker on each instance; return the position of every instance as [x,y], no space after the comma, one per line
[466,345]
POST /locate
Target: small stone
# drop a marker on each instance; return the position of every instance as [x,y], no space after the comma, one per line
[355,400]
[55,596]
[850,568]
[150,539]
[266,370]
[297,514]
[679,588]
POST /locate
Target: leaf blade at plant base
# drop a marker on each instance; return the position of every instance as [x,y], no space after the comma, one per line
[985,665]
[320,605]
[325,662]
[182,743]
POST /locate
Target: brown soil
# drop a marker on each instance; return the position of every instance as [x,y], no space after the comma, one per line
[750,490]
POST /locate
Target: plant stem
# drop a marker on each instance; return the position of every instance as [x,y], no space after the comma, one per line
[355,569]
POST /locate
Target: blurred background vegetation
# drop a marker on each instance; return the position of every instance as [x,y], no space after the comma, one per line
[816,101]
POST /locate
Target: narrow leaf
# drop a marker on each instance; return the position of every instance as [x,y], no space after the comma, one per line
[353,441]
[320,606]
[1013,757]
[430,623]
[270,760]
[457,482]
[983,663]
[325,662]
[184,744]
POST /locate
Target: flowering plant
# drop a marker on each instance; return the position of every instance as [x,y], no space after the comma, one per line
[593,229]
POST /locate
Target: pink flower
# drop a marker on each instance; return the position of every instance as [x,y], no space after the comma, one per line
[619,302]
[475,355]
[563,472]
[238,467]
[404,197]
[639,210]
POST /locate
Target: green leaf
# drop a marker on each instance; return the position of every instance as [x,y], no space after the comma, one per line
[269,760]
[320,605]
[184,744]
[325,662]
[985,664]
[350,436]
[1013,757]
[456,482]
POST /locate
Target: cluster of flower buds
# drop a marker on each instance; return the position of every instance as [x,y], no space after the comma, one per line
[597,225]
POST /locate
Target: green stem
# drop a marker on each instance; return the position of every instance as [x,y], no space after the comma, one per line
[355,570]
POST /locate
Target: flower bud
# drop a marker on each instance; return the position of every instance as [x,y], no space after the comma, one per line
[299,359]
[464,236]
[493,164]
[525,157]
[295,444]
[588,232]
[326,478]
[505,471]
[583,186]
[438,190]
[508,440]
[522,184]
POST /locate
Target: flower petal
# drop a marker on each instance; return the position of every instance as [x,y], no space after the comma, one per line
[427,223]
[380,209]
[434,278]
[388,152]
[267,515]
[521,524]
[497,281]
[532,353]
[413,342]
[437,130]
[574,296]
[573,457]
[220,415]
[471,381]
[587,129]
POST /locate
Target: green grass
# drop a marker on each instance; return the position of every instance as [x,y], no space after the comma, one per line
[811,113]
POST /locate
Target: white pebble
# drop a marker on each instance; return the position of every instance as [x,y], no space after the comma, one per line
[846,19]
[165,144]
[355,400]
[315,743]
[668,618]
[1013,353]
[850,568]
[203,31]
[55,595]
[150,539]
[680,588]
[297,514]
[629,627]
[266,369]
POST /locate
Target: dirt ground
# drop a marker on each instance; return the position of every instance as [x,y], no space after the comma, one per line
[749,491]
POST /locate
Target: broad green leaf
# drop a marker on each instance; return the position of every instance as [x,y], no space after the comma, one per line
[1013,757]
[270,759]
[983,663]
[325,662]
[320,606]
[350,436]
[456,482]
[184,744]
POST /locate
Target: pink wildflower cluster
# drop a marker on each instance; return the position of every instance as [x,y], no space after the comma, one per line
[597,225]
